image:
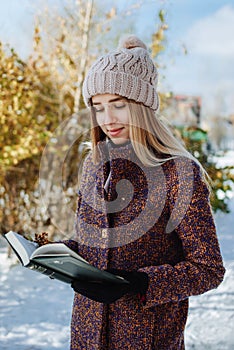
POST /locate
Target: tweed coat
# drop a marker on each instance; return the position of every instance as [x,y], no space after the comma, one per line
[152,219]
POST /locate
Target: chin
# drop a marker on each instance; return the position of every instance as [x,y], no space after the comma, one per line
[119,141]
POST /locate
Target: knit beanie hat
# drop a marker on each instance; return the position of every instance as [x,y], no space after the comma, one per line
[128,71]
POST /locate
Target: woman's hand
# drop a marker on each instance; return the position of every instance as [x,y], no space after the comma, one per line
[110,292]
[138,280]
[102,292]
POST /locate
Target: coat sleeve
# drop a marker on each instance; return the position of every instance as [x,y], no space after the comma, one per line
[202,267]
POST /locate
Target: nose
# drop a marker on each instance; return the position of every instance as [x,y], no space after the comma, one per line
[109,116]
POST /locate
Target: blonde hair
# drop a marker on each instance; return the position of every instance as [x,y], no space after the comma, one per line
[152,140]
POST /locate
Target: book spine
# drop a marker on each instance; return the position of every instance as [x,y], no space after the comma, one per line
[48,272]
[36,267]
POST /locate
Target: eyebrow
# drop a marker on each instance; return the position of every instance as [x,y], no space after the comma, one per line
[112,100]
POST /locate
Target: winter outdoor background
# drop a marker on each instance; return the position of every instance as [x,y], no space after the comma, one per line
[35,311]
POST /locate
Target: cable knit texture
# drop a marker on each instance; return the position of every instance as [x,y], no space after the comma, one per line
[180,262]
[129,72]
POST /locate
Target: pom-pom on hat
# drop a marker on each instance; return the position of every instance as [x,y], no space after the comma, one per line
[128,71]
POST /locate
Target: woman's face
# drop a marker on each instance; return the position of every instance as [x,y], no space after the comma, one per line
[112,116]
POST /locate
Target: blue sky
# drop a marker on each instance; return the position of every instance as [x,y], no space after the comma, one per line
[205,27]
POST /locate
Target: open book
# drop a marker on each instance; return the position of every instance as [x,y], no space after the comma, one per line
[57,261]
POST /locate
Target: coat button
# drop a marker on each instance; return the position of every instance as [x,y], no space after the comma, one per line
[105,233]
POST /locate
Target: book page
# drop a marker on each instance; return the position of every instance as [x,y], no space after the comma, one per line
[21,246]
[55,249]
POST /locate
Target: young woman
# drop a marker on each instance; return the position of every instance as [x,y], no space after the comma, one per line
[143,213]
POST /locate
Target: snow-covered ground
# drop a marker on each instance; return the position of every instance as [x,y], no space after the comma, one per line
[35,311]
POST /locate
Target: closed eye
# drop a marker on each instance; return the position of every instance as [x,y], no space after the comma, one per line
[99,108]
[119,104]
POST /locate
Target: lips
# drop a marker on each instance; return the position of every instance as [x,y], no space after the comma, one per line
[115,132]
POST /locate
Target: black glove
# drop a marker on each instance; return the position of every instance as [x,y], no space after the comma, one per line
[108,293]
[139,281]
[103,292]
